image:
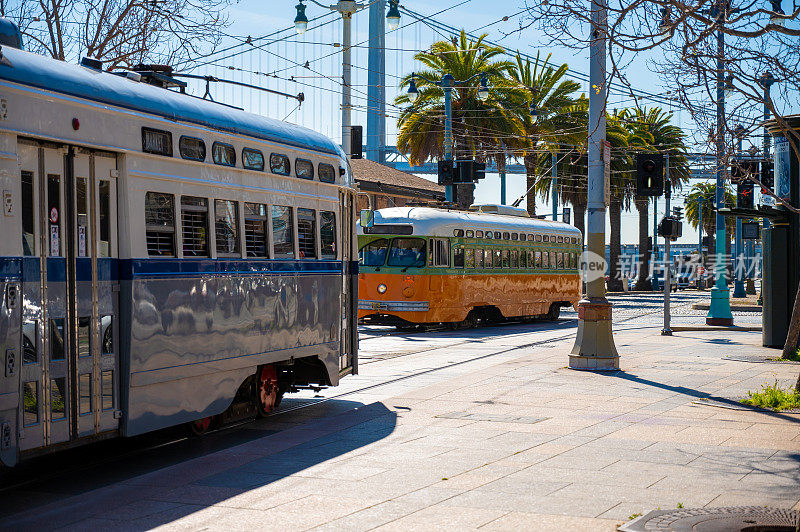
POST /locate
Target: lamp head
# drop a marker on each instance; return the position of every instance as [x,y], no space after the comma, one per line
[393,16]
[301,21]
[413,93]
[483,91]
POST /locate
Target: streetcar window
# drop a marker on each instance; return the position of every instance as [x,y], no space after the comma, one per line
[478,234]
[31,399]
[85,394]
[252,159]
[307,233]
[552,260]
[282,231]
[505,259]
[53,213]
[104,201]
[440,252]
[255,229]
[223,154]
[538,259]
[458,233]
[58,393]
[159,220]
[530,238]
[560,239]
[479,262]
[469,259]
[470,233]
[514,258]
[327,173]
[497,260]
[506,236]
[57,339]
[304,169]
[514,236]
[82,211]
[192,148]
[327,234]
[194,222]
[374,253]
[107,389]
[107,332]
[407,252]
[279,164]
[560,261]
[30,341]
[84,329]
[28,238]
[538,238]
[458,257]
[545,238]
[572,261]
[156,141]
[531,260]
[523,259]
[226,215]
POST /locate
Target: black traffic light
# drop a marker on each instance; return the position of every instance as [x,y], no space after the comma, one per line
[356,134]
[677,213]
[446,172]
[706,241]
[479,171]
[751,230]
[768,175]
[566,215]
[670,228]
[469,171]
[649,174]
[744,194]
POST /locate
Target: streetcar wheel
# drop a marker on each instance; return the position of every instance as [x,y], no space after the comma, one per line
[199,427]
[470,322]
[267,395]
[553,313]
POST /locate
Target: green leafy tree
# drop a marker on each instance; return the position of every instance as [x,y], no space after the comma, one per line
[705,194]
[480,128]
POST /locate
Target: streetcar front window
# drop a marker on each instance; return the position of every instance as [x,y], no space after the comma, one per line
[374,253]
[407,252]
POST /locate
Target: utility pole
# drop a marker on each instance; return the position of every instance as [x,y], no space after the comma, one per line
[700,242]
[738,270]
[654,255]
[719,312]
[666,331]
[376,80]
[594,347]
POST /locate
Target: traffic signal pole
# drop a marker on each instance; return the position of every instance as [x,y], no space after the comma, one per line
[666,331]
[594,347]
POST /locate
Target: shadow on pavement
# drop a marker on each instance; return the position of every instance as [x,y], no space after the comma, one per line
[192,473]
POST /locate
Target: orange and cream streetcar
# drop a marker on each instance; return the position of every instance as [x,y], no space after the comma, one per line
[424,266]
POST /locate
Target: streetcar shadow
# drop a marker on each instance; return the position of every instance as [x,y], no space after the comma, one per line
[173,481]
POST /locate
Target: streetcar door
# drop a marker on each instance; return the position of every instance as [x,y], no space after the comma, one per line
[347,217]
[44,375]
[94,318]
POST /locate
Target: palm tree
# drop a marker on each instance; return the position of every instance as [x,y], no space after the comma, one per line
[706,194]
[545,106]
[666,138]
[480,128]
[622,189]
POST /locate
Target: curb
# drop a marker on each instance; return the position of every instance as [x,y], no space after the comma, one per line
[734,308]
[715,328]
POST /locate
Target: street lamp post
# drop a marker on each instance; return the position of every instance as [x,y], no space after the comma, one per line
[719,312]
[594,347]
[346,8]
[448,83]
[738,271]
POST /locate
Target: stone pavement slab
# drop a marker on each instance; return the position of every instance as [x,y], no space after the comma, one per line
[499,443]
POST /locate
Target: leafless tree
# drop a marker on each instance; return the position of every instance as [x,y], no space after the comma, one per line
[689,45]
[121,33]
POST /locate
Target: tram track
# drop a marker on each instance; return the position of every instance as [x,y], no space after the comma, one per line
[47,476]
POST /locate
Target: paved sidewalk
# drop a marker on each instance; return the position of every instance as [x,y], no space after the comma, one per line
[508,442]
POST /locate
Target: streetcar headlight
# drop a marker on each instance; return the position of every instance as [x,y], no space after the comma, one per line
[381,288]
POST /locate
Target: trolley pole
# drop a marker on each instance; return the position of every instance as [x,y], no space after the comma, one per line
[666,331]
[594,347]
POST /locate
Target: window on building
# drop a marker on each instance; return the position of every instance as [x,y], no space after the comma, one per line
[304,169]
[458,257]
[327,173]
[223,154]
[255,229]
[282,232]
[279,164]
[194,226]
[253,159]
[192,148]
[327,234]
[156,141]
[440,252]
[226,215]
[159,219]
[307,233]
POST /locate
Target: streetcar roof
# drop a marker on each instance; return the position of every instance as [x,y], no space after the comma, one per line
[42,72]
[428,221]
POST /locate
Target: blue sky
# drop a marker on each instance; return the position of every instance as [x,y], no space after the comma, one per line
[285,54]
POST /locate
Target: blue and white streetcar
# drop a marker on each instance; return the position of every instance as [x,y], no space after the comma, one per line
[164,259]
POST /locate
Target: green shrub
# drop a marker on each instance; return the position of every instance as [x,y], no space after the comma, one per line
[771,396]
